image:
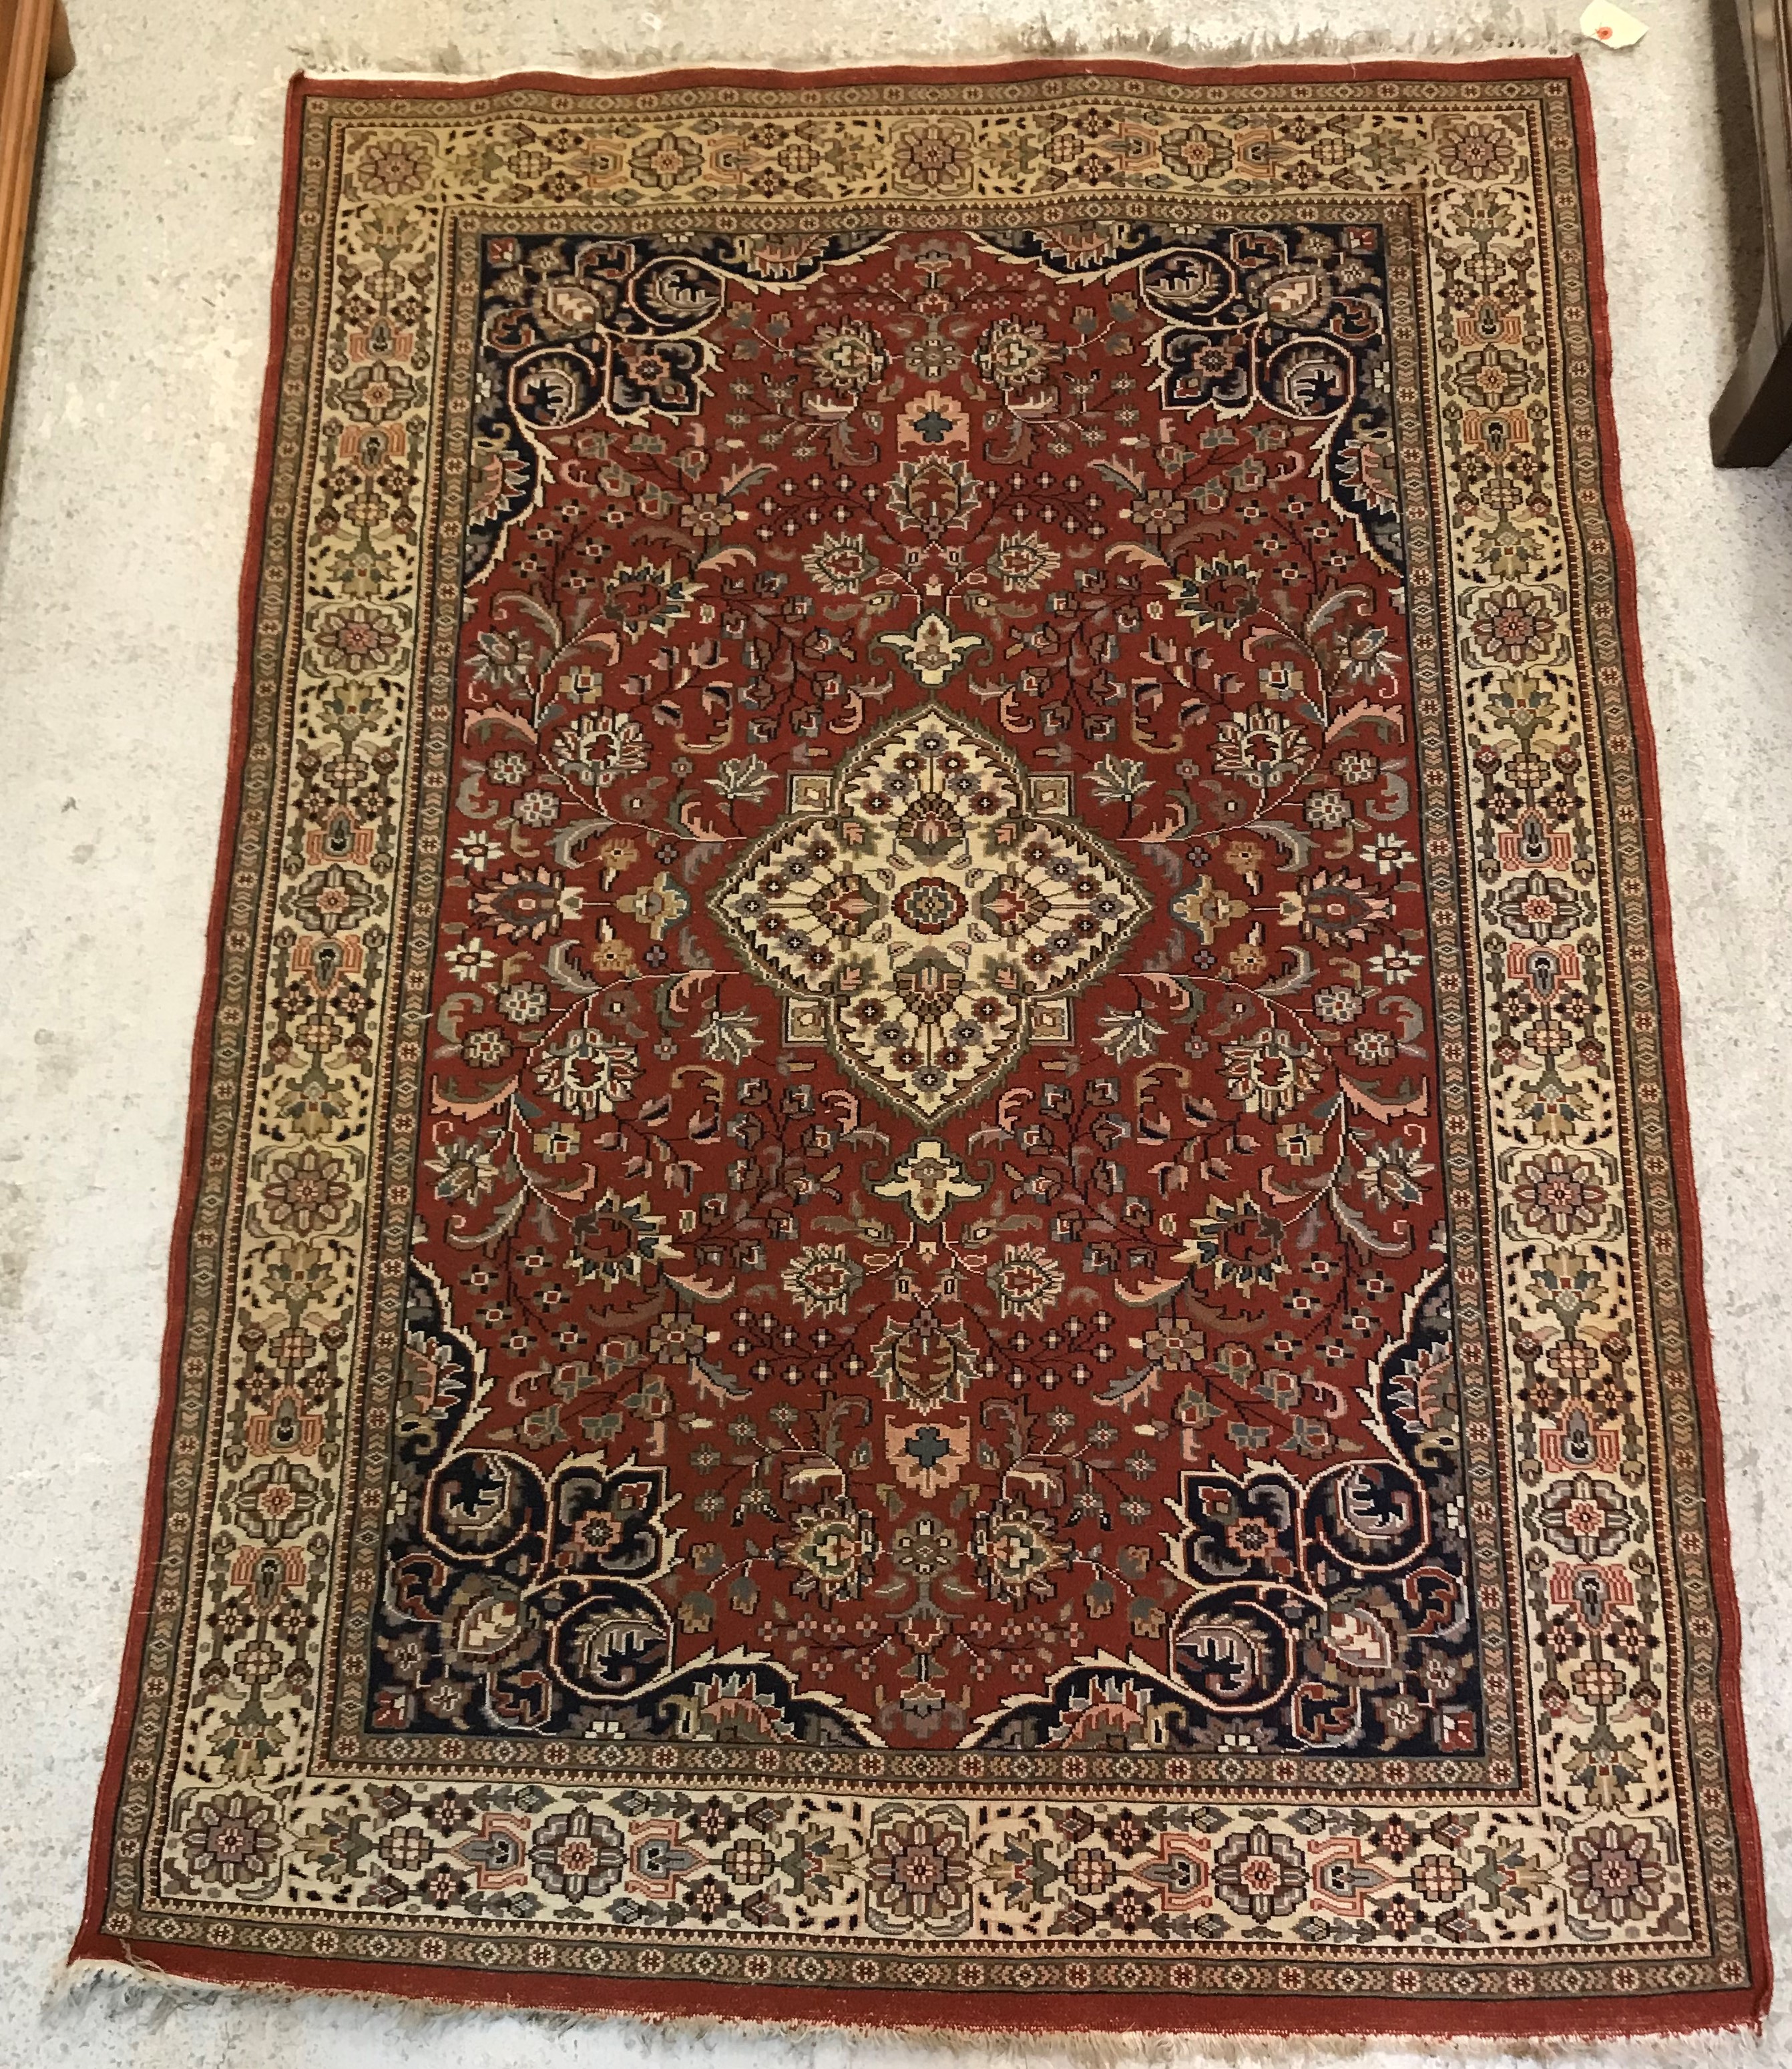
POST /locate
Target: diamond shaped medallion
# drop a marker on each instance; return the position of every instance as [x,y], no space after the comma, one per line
[929,911]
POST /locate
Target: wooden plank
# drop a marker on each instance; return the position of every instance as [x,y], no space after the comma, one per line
[62,47]
[1752,424]
[26,29]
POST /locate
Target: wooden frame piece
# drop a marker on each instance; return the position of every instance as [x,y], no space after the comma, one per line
[1752,424]
[35,47]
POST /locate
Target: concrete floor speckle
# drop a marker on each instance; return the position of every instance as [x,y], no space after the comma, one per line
[121,525]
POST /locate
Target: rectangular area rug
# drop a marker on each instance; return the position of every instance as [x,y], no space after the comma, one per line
[938,1266]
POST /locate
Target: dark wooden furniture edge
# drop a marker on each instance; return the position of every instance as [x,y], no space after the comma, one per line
[1752,424]
[34,48]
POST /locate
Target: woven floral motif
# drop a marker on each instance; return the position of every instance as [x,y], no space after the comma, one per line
[936,1254]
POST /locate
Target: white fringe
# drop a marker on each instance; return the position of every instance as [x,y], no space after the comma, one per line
[1226,32]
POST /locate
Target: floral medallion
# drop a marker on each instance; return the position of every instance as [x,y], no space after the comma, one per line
[929,912]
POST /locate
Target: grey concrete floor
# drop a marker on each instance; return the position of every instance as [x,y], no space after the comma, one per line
[122,514]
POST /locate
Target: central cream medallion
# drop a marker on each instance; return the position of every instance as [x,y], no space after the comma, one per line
[928,910]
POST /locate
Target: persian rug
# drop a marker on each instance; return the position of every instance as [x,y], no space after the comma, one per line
[938,1266]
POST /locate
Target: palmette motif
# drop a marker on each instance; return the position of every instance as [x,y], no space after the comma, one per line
[936,1247]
